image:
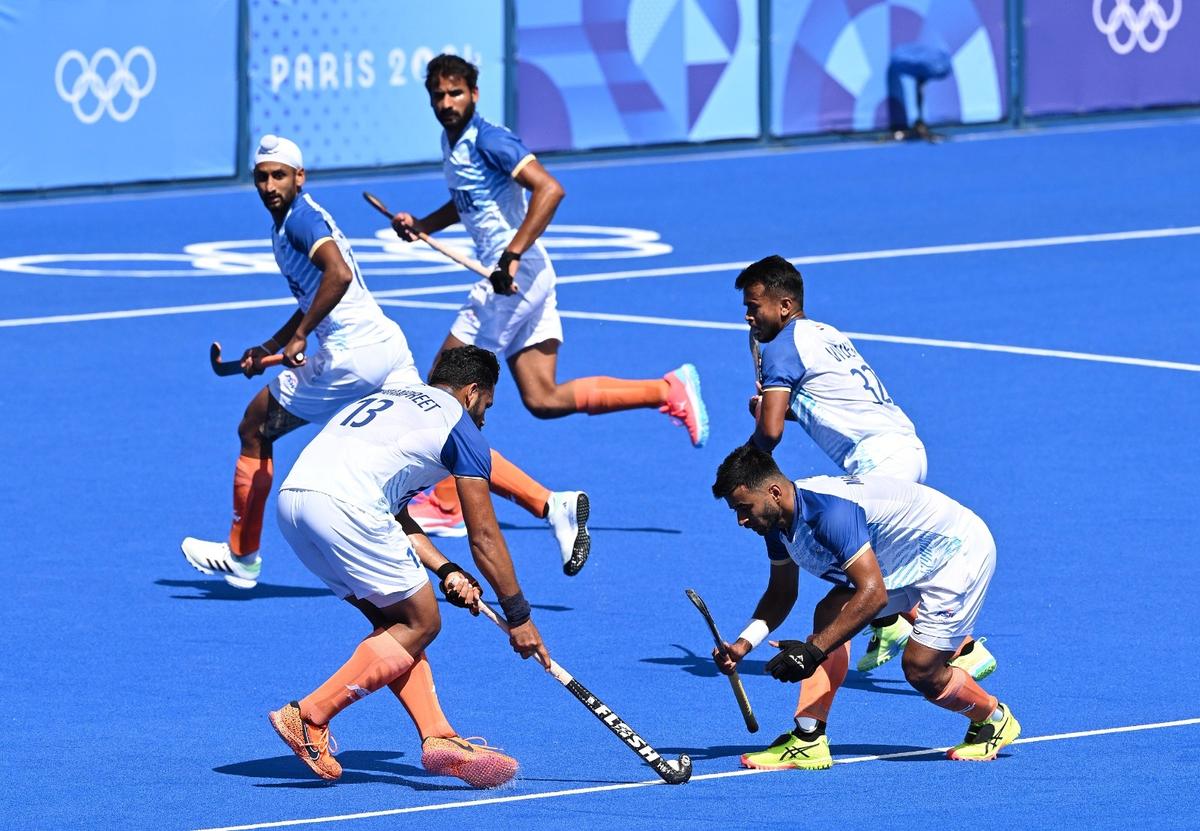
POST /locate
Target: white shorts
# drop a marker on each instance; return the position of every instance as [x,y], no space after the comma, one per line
[336,375]
[506,324]
[949,598]
[895,455]
[356,552]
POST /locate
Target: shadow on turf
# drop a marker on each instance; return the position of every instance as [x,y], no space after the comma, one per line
[220,590]
[702,667]
[358,767]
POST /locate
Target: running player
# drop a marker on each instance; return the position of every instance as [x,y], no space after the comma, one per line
[360,349]
[514,313]
[886,545]
[343,509]
[811,373]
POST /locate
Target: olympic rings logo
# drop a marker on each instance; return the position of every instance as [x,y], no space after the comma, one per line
[107,91]
[1122,18]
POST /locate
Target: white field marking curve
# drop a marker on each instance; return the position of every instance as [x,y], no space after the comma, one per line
[741,327]
[499,800]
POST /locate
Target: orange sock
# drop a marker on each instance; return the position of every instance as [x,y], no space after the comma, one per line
[963,695]
[516,485]
[962,647]
[415,691]
[251,487]
[378,660]
[600,394]
[911,614]
[817,691]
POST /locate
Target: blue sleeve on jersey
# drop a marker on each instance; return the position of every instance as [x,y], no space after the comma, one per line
[500,149]
[781,365]
[466,451]
[776,549]
[303,228]
[838,524]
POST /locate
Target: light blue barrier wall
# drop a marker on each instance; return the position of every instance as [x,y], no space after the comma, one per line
[103,93]
[99,92]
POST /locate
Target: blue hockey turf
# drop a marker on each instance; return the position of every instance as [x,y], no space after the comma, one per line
[1030,299]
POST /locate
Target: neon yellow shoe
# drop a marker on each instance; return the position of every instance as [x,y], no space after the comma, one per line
[984,739]
[977,661]
[792,751]
[886,643]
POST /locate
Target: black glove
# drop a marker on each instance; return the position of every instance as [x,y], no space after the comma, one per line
[502,281]
[444,571]
[796,661]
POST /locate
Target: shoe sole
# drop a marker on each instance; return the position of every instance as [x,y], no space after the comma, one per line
[691,382]
[785,765]
[300,752]
[449,763]
[233,580]
[583,541]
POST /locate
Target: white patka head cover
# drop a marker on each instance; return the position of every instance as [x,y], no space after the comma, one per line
[272,148]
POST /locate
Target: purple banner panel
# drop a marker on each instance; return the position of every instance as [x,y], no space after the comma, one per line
[1087,55]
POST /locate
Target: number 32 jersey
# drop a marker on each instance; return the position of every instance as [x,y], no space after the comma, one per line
[836,396]
[384,449]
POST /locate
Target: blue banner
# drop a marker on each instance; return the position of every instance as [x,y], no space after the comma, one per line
[98,92]
[614,73]
[345,81]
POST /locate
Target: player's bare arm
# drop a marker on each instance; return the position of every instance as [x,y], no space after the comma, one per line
[491,555]
[545,195]
[773,608]
[335,279]
[768,424]
[404,223]
[459,587]
[868,599]
[252,357]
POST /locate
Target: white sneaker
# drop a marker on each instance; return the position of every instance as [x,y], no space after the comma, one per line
[211,557]
[567,515]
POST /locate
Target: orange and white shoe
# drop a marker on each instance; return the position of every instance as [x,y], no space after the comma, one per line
[434,519]
[479,765]
[684,404]
[307,740]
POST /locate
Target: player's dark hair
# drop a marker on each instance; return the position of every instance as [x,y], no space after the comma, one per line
[465,365]
[747,465]
[776,275]
[450,66]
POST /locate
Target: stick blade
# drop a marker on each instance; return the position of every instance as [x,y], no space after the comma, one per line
[222,368]
[676,771]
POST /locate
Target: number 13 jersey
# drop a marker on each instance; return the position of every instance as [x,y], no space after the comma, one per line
[836,396]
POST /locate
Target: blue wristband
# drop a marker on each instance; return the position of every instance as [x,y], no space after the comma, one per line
[516,609]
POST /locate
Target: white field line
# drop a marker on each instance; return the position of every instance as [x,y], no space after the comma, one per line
[944,344]
[499,800]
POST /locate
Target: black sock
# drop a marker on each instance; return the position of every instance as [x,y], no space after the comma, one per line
[807,735]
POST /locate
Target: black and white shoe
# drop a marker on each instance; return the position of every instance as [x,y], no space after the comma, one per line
[567,515]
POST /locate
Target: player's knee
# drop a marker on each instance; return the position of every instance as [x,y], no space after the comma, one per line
[922,675]
[541,405]
[829,607]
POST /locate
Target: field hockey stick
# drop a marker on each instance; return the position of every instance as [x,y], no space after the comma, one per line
[445,250]
[672,771]
[739,692]
[224,368]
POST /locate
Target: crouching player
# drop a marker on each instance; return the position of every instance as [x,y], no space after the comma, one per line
[343,509]
[886,545]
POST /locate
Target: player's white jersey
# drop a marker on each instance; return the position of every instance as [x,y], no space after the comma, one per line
[480,172]
[836,396]
[382,450]
[357,319]
[913,529]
